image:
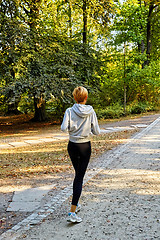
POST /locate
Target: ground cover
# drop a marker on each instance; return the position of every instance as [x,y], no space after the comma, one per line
[18,125]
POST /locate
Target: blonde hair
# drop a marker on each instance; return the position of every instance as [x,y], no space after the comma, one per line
[79,94]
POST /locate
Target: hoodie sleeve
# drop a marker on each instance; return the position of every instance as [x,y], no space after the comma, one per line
[65,123]
[94,124]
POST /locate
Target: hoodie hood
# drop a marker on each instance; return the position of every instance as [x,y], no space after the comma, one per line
[82,110]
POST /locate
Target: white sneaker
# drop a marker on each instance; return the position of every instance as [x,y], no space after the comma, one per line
[78,208]
[72,217]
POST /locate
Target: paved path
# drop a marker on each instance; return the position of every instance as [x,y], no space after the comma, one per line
[121,200]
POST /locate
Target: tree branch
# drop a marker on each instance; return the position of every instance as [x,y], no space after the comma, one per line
[26,11]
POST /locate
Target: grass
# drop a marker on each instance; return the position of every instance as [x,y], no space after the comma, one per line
[51,158]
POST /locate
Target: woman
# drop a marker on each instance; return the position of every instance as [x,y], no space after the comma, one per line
[80,121]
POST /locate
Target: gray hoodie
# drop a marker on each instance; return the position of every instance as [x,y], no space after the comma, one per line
[80,121]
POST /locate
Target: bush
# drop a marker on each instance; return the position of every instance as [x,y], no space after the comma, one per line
[141,107]
[26,104]
[117,111]
[55,109]
[111,112]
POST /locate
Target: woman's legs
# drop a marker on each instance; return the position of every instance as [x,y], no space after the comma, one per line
[80,155]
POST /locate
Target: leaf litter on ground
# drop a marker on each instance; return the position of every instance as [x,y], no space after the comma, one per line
[50,158]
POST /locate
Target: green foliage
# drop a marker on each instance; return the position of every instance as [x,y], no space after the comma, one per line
[130,22]
[48,63]
[43,57]
[136,22]
[26,104]
[58,70]
[55,109]
[2,106]
[115,111]
[141,107]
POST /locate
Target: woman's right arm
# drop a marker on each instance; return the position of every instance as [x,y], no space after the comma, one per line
[65,123]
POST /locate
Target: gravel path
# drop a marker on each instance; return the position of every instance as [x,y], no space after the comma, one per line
[121,202]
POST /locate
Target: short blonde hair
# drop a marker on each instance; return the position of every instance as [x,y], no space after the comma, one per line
[80,93]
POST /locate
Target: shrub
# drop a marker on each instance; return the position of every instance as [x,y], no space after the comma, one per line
[115,111]
[141,107]
[26,104]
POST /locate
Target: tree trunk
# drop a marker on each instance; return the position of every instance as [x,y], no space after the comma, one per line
[40,110]
[148,47]
[141,46]
[84,21]
[70,19]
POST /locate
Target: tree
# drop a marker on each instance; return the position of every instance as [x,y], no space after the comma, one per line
[152,11]
[32,18]
[10,46]
[130,36]
[135,19]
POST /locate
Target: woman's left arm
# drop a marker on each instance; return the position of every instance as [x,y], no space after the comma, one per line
[94,124]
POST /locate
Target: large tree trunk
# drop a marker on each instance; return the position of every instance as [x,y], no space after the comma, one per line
[40,110]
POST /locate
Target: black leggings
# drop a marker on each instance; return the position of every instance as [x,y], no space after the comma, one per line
[80,154]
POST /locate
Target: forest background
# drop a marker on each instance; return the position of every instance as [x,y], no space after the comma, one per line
[48,47]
